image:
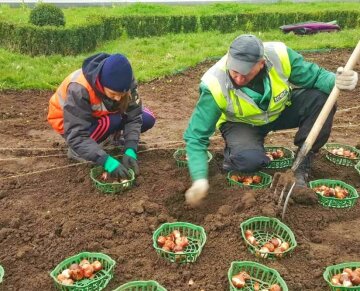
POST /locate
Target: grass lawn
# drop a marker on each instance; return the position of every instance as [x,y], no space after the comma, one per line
[156,56]
[75,15]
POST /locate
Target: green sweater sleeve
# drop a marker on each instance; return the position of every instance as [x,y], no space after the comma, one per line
[201,126]
[309,75]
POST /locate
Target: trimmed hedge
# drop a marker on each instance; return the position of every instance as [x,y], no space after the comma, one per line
[145,26]
[113,28]
[47,14]
[47,40]
[265,21]
[33,40]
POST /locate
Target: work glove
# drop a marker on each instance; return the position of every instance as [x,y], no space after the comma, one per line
[115,168]
[197,192]
[130,160]
[346,80]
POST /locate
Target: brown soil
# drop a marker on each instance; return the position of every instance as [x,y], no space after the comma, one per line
[49,209]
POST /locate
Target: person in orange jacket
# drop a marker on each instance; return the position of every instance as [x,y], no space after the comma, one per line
[96,101]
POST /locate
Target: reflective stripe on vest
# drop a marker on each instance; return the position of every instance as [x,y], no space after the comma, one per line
[57,101]
[236,105]
[62,95]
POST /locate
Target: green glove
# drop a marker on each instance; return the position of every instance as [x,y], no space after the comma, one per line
[131,153]
[130,160]
[115,168]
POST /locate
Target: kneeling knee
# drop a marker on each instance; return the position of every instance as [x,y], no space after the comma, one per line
[248,160]
[319,97]
[148,122]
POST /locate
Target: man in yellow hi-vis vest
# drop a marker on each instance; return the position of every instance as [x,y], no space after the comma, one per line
[246,95]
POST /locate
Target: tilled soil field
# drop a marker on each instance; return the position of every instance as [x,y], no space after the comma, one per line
[50,210]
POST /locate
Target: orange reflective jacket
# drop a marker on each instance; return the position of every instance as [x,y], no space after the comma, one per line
[57,101]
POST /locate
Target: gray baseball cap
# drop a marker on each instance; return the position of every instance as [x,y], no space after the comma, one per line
[245,51]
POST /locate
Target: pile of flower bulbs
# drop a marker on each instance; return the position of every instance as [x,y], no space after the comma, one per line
[336,192]
[173,242]
[77,272]
[275,155]
[241,280]
[274,245]
[105,177]
[247,180]
[347,278]
[344,153]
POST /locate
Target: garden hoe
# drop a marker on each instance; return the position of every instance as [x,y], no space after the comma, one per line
[286,182]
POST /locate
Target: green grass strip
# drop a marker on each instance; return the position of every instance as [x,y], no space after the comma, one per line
[153,57]
[75,15]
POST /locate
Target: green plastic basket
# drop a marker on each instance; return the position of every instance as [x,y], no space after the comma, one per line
[110,188]
[182,153]
[264,229]
[265,181]
[357,167]
[333,201]
[337,269]
[100,280]
[141,286]
[195,234]
[2,272]
[259,273]
[338,160]
[284,162]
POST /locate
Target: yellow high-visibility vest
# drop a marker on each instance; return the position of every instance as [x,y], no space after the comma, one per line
[237,106]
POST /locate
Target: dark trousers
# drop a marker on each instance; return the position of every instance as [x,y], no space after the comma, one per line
[244,143]
[109,124]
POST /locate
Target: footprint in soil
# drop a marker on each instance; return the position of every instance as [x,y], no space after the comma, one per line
[245,201]
[304,195]
[248,199]
[175,205]
[177,208]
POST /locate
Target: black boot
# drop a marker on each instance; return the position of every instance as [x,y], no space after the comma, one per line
[303,171]
[303,194]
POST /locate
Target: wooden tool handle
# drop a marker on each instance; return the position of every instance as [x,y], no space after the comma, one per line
[329,104]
